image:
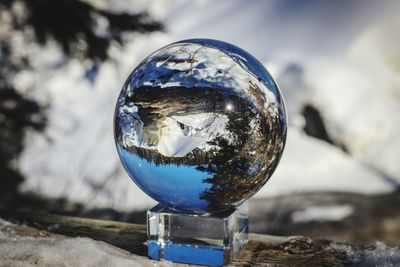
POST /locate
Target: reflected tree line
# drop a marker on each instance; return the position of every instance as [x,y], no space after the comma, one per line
[244,166]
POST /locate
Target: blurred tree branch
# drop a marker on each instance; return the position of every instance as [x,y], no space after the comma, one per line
[81,30]
[72,24]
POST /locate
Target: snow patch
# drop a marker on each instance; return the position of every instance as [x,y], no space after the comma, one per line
[359,96]
[378,255]
[29,251]
[310,165]
[181,134]
[322,213]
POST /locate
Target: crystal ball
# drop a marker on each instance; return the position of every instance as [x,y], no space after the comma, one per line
[200,125]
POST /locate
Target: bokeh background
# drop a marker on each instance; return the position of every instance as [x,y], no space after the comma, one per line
[63,63]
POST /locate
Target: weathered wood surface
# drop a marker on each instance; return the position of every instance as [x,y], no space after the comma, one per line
[261,250]
[130,237]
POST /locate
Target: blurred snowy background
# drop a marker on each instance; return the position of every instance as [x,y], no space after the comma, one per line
[63,63]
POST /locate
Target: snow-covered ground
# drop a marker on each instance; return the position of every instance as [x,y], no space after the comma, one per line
[80,251]
[309,164]
[347,62]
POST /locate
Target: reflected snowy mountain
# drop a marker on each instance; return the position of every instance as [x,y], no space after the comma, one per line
[206,123]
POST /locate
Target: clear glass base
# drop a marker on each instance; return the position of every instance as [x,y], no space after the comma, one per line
[207,239]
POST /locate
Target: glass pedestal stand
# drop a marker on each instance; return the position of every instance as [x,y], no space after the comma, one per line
[208,239]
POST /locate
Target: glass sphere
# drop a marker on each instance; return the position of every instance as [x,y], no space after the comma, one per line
[200,125]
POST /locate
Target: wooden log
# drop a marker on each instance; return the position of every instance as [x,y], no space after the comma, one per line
[130,237]
[261,250]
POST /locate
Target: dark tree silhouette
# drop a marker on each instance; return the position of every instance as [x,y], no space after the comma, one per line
[71,21]
[68,23]
[17,113]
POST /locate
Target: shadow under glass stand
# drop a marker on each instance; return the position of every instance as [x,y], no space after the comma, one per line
[208,239]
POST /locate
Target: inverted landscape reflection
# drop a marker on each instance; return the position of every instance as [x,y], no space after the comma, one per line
[200,125]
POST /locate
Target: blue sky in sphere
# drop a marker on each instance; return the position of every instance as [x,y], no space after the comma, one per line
[168,183]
